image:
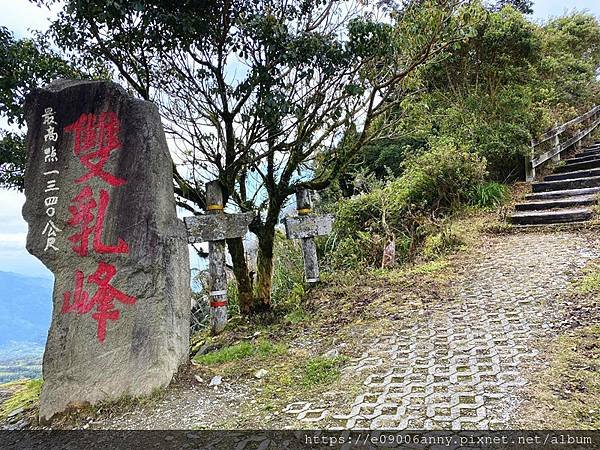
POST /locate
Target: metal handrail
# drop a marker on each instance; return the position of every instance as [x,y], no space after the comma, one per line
[532,161]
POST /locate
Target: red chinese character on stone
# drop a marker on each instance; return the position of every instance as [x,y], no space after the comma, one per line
[82,216]
[103,299]
[96,136]
[80,297]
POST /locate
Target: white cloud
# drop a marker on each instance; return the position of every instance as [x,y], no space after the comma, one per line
[21,16]
[11,221]
[13,234]
[547,9]
[10,239]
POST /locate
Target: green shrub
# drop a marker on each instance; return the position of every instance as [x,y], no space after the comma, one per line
[443,177]
[288,273]
[356,251]
[488,195]
[432,185]
[440,244]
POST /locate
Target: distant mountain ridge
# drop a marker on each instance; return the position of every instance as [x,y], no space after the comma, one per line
[25,309]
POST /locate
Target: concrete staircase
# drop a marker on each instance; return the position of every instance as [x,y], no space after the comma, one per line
[568,195]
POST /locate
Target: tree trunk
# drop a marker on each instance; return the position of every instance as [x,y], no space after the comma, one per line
[242,276]
[264,269]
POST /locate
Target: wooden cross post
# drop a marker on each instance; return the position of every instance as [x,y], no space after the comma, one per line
[214,228]
[306,227]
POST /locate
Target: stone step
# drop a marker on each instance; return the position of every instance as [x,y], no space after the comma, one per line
[589,151]
[575,183]
[586,173]
[574,226]
[583,159]
[583,165]
[551,216]
[565,202]
[562,193]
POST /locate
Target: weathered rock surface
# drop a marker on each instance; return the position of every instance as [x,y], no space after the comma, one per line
[101,215]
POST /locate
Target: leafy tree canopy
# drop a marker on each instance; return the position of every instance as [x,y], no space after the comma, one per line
[252,91]
[24,65]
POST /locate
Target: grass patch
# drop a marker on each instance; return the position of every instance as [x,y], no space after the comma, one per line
[429,267]
[321,370]
[240,351]
[567,394]
[296,316]
[402,274]
[590,283]
[488,195]
[25,396]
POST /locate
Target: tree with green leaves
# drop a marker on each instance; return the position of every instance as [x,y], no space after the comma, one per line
[24,65]
[251,92]
[512,79]
[568,70]
[523,6]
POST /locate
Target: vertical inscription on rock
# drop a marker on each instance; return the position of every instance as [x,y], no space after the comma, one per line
[95,137]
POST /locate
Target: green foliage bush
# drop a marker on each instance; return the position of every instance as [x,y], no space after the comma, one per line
[440,244]
[433,184]
[359,249]
[288,273]
[488,195]
[509,81]
[442,177]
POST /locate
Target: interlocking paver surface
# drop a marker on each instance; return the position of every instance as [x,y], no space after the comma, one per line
[462,366]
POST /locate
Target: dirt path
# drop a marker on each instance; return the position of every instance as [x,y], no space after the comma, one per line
[182,407]
[461,366]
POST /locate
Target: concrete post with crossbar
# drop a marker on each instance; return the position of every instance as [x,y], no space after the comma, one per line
[215,227]
[306,227]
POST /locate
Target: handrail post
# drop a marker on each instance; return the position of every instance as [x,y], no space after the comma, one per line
[556,158]
[529,169]
[591,127]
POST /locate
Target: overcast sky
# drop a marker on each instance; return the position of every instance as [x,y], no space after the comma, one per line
[20,16]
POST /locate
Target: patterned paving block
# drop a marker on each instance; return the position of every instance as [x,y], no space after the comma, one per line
[460,367]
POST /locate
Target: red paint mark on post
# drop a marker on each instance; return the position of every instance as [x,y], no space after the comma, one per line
[218,304]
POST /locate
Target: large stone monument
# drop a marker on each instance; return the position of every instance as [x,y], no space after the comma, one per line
[101,215]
